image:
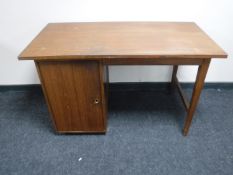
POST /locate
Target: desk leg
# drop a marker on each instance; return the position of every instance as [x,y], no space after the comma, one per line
[174,72]
[201,74]
[173,79]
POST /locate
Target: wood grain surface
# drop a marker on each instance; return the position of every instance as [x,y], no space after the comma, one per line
[105,40]
[74,93]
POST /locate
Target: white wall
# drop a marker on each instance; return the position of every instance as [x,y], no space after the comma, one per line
[21,20]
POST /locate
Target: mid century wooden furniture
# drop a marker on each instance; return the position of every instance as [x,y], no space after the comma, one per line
[72,61]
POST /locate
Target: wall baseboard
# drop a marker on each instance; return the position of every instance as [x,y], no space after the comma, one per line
[150,86]
[125,86]
[24,87]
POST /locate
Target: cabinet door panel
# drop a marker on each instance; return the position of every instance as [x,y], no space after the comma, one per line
[73,90]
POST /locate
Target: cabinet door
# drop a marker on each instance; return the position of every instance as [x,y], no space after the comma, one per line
[74,93]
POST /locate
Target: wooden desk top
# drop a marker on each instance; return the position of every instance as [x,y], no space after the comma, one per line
[98,40]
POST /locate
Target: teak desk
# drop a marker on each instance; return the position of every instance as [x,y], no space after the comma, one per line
[72,62]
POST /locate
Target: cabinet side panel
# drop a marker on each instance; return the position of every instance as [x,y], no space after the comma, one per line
[105,89]
[45,94]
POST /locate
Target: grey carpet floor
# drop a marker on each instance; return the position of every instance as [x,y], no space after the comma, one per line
[143,137]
